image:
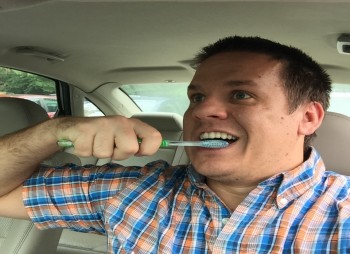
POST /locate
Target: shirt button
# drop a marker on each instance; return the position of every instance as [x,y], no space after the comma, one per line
[224,221]
[122,238]
[284,201]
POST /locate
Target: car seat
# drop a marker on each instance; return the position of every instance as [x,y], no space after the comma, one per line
[21,236]
[332,141]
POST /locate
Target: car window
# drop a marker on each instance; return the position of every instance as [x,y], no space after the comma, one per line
[161,97]
[36,88]
[50,104]
[166,97]
[90,109]
[340,99]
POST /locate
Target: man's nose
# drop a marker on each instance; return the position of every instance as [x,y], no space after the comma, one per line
[211,108]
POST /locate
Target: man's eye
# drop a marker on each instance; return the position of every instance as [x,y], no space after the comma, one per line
[197,98]
[240,95]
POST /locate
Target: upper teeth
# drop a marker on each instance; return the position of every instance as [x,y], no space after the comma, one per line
[211,135]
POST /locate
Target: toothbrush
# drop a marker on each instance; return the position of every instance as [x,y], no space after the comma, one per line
[210,143]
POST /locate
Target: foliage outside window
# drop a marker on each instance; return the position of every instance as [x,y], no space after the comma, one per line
[19,84]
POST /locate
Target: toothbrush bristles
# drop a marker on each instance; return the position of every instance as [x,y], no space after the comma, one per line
[214,143]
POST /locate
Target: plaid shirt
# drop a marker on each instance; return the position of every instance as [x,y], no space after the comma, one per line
[163,209]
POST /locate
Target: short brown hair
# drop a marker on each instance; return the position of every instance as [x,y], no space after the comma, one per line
[304,79]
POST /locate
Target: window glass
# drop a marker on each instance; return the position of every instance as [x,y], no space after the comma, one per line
[340,99]
[172,97]
[19,84]
[50,104]
[91,109]
[161,97]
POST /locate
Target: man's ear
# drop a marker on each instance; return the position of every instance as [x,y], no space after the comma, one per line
[312,118]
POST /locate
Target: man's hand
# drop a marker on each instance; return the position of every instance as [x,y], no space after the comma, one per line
[109,137]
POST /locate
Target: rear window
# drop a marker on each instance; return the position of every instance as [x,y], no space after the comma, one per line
[20,84]
[172,97]
[160,97]
[340,99]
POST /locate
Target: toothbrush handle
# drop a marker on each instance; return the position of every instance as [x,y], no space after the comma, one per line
[165,143]
[67,143]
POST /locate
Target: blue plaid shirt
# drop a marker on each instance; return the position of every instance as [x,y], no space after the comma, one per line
[169,209]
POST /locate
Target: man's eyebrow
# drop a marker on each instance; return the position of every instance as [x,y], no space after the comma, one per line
[228,83]
[240,82]
[192,87]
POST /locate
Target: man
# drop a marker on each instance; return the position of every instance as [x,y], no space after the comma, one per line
[267,192]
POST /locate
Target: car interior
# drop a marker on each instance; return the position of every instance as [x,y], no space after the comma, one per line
[134,58]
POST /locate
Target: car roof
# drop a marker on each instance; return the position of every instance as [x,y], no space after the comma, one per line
[89,43]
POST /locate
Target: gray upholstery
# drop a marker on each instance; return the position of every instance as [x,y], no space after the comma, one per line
[18,113]
[21,236]
[333,142]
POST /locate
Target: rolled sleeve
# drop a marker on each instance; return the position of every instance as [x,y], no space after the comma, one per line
[74,197]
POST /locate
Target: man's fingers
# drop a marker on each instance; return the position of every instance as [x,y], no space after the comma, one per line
[83,146]
[111,137]
[150,144]
[103,146]
[150,137]
[126,145]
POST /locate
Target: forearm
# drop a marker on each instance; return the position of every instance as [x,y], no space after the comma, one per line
[103,137]
[22,152]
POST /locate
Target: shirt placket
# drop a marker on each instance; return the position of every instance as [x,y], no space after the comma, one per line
[238,223]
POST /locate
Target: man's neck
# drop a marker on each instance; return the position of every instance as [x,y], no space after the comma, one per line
[232,196]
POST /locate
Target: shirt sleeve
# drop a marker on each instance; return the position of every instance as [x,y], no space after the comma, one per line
[73,196]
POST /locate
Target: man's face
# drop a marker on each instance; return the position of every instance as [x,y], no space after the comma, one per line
[241,95]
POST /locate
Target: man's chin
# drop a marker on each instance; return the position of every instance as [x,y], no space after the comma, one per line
[212,169]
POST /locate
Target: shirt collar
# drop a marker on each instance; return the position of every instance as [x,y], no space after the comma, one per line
[297,181]
[290,184]
[196,179]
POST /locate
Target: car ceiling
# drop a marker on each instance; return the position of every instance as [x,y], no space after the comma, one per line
[90,43]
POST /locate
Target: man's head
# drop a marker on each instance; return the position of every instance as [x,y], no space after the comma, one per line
[265,96]
[304,79]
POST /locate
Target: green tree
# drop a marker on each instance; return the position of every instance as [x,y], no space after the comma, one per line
[19,82]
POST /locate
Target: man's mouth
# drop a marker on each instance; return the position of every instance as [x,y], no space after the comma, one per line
[218,136]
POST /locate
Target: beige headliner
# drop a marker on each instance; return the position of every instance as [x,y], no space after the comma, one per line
[153,41]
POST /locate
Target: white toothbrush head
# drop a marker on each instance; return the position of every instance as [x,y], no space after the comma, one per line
[214,143]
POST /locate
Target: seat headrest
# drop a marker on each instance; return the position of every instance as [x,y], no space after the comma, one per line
[162,121]
[16,114]
[333,142]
